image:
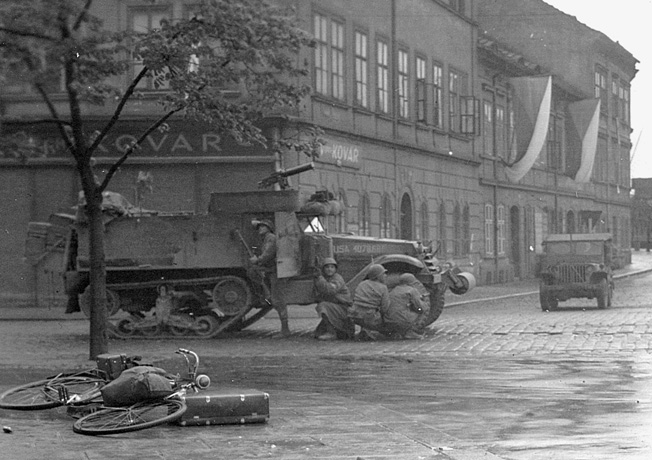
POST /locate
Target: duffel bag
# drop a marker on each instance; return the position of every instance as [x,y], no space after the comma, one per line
[140,383]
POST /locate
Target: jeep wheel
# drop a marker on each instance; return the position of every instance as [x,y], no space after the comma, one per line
[548,303]
[603,294]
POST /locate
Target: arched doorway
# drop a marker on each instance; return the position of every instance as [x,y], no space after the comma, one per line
[516,243]
[406,217]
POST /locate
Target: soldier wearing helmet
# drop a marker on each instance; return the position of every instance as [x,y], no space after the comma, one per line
[334,299]
[266,264]
[370,302]
[406,308]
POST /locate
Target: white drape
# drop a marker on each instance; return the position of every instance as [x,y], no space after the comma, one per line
[531,102]
[586,119]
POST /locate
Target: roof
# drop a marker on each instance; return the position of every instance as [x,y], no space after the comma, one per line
[557,237]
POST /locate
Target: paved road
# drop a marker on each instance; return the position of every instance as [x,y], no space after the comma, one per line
[494,379]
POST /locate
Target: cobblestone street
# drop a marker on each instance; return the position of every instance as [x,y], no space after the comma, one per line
[493,379]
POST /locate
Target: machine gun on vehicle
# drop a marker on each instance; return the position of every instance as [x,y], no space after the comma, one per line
[280,177]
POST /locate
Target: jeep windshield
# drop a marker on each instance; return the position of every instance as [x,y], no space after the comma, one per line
[588,248]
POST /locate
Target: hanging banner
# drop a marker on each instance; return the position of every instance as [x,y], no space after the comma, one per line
[531,101]
[585,122]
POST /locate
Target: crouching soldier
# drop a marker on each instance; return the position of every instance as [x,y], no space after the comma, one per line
[406,308]
[334,300]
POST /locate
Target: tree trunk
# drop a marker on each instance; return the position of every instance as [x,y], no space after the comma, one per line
[99,317]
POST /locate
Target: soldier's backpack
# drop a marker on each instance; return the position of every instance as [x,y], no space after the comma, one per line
[140,383]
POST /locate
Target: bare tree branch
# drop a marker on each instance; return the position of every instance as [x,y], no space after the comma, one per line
[115,166]
[24,33]
[116,114]
[82,15]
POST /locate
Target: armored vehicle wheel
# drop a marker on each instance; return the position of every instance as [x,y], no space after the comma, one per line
[112,302]
[603,294]
[205,325]
[436,305]
[232,295]
[125,328]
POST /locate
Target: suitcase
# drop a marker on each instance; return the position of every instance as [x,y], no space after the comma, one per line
[112,364]
[225,406]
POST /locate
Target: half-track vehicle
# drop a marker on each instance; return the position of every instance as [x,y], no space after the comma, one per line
[203,260]
[576,266]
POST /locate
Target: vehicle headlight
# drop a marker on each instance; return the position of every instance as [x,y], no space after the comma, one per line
[590,270]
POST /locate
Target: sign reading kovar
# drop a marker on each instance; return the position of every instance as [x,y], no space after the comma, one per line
[179,140]
[340,154]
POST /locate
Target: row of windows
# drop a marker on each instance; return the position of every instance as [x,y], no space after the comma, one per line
[616,101]
[458,245]
[420,85]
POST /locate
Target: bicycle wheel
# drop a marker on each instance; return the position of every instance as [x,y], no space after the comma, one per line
[113,420]
[44,394]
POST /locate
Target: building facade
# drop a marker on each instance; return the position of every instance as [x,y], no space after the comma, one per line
[432,116]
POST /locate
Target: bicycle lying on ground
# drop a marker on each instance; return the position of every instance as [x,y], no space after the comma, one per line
[48,393]
[85,389]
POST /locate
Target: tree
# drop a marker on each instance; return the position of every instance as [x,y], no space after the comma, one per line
[249,45]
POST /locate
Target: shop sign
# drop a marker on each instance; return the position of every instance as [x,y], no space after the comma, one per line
[340,154]
[178,141]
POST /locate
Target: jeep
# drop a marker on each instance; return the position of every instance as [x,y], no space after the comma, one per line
[576,265]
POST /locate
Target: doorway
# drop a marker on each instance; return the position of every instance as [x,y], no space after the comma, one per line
[406,217]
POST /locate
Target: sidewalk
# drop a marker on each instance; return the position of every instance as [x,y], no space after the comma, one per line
[641,263]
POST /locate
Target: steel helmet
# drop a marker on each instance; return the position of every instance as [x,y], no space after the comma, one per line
[328,261]
[407,278]
[375,271]
[266,223]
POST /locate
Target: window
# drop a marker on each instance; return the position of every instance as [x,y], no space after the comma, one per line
[382,77]
[500,131]
[624,104]
[443,250]
[489,229]
[488,127]
[457,231]
[361,75]
[337,60]
[142,21]
[321,54]
[403,82]
[365,214]
[600,85]
[501,229]
[329,57]
[438,101]
[457,5]
[456,87]
[466,230]
[386,218]
[421,90]
[553,145]
[469,115]
[424,227]
[620,99]
[615,96]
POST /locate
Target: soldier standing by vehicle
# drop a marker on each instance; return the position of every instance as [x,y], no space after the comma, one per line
[334,299]
[266,263]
